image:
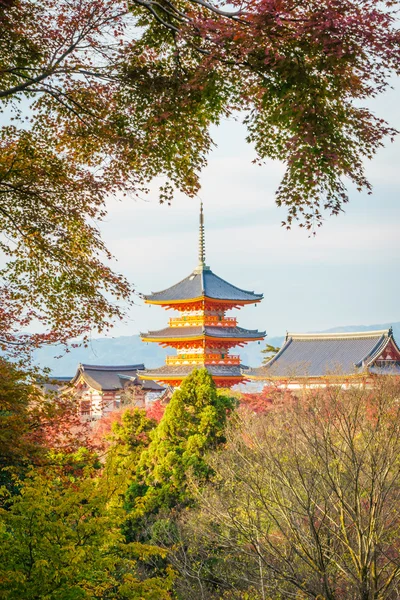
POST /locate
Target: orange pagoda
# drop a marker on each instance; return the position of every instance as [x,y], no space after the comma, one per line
[202,335]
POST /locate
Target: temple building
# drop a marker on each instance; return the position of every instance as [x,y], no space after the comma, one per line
[202,334]
[101,389]
[347,358]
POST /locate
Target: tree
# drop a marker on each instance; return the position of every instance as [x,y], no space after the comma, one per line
[305,498]
[268,399]
[128,438]
[35,428]
[93,130]
[269,352]
[60,540]
[193,423]
[119,92]
[156,410]
[21,435]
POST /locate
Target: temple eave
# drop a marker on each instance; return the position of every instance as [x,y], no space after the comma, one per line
[175,379]
[202,299]
[170,341]
[153,376]
[307,378]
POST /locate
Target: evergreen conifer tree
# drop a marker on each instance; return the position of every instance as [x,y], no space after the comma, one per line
[193,423]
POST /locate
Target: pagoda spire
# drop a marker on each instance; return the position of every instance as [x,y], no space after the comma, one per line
[202,244]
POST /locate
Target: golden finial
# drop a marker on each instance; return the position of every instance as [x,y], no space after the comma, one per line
[202,247]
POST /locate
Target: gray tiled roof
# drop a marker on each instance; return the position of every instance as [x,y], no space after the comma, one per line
[204,283]
[316,355]
[218,332]
[106,378]
[151,386]
[184,370]
[54,384]
[144,383]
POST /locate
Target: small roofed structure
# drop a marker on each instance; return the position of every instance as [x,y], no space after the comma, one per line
[102,389]
[52,385]
[312,358]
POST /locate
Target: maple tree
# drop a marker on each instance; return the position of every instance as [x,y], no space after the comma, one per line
[156,410]
[260,402]
[61,538]
[304,499]
[103,96]
[21,435]
[38,428]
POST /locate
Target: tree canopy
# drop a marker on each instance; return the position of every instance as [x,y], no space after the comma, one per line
[193,423]
[61,541]
[101,97]
[304,501]
[291,495]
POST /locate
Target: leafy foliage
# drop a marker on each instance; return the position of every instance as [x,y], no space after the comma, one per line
[193,423]
[304,502]
[37,429]
[60,541]
[129,437]
[295,498]
[104,96]
[20,430]
[156,410]
[269,352]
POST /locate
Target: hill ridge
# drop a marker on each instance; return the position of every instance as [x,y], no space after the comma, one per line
[129,349]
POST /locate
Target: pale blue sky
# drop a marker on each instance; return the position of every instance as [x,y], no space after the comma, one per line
[348,274]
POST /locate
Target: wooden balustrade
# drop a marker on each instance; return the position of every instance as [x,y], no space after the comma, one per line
[200,320]
[201,359]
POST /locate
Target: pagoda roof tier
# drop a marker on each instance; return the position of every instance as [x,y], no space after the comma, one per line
[203,284]
[332,354]
[179,372]
[195,333]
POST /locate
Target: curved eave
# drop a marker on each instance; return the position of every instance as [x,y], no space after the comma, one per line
[153,377]
[307,378]
[380,347]
[148,300]
[82,377]
[77,376]
[199,338]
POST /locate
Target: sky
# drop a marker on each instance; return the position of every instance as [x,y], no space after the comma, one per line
[347,275]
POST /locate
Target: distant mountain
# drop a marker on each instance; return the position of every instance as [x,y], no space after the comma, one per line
[125,350]
[349,328]
[121,350]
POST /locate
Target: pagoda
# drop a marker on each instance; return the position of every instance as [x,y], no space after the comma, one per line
[202,335]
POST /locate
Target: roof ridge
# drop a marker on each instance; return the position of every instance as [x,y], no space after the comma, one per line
[338,335]
[132,367]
